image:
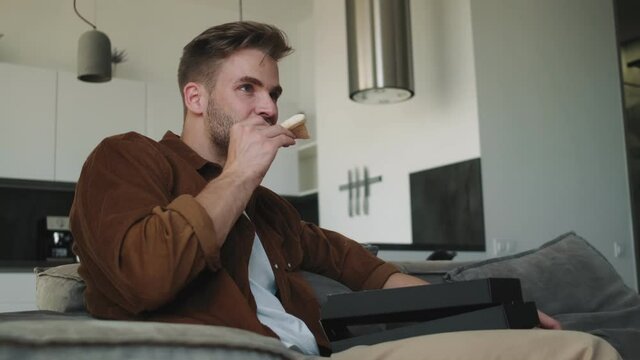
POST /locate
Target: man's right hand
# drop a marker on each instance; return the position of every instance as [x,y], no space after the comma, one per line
[253,145]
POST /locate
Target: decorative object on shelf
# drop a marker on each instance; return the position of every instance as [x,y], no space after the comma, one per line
[94,54]
[379,51]
[353,186]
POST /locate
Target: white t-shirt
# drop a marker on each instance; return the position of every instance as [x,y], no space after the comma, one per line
[292,331]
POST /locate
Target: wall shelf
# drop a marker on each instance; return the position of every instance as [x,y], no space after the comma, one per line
[307,169]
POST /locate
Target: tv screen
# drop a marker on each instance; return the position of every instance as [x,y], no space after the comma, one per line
[446,207]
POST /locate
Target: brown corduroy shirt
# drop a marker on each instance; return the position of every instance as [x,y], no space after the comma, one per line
[148,249]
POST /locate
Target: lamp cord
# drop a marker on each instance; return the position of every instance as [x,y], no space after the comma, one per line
[240,4]
[82,17]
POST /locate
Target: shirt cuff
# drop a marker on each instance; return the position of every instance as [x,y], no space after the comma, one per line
[202,225]
[379,276]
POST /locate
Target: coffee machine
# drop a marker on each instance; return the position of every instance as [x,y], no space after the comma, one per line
[57,239]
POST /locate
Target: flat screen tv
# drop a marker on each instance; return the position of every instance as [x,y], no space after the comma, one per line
[446,207]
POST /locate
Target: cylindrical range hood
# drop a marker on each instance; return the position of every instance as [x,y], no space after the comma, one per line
[379,47]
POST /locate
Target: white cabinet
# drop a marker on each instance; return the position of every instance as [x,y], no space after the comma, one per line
[27,122]
[18,291]
[87,113]
[50,122]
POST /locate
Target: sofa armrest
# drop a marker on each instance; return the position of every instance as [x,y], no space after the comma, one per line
[429,270]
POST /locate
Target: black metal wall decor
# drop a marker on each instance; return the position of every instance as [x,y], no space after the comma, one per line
[353,185]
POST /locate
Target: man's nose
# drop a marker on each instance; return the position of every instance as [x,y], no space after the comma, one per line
[268,109]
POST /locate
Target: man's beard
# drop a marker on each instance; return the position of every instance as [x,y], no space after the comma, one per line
[220,124]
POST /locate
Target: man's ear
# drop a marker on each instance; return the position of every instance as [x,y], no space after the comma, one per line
[195,98]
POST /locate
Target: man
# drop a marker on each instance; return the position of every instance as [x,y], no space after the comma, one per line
[181,231]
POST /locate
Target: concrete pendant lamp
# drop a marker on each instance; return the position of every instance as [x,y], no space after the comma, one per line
[379,51]
[94,54]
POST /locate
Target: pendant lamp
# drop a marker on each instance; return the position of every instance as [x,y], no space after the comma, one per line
[379,51]
[94,54]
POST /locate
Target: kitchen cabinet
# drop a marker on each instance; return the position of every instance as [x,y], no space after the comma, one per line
[19,291]
[51,140]
[89,112]
[27,122]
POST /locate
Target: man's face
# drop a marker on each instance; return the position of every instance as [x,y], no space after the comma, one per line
[247,85]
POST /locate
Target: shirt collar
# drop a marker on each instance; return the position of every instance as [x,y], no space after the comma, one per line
[202,165]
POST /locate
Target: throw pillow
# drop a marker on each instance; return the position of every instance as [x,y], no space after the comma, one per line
[60,288]
[565,275]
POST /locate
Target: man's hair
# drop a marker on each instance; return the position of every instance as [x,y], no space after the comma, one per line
[202,56]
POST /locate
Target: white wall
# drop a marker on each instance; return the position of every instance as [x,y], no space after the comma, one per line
[438,126]
[551,126]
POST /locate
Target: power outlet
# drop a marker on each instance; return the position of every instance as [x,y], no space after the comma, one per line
[503,247]
[618,249]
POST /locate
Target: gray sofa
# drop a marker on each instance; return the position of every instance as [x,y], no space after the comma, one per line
[566,277]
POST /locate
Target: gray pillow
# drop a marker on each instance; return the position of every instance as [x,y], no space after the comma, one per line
[565,275]
[60,288]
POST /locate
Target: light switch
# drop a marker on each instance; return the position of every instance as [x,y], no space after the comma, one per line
[618,249]
[503,247]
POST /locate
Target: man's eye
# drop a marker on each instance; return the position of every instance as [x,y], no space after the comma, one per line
[246,87]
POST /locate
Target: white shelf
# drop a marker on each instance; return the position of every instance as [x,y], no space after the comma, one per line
[308,192]
[307,169]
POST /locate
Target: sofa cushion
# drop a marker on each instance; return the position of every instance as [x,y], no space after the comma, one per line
[104,339]
[565,275]
[59,288]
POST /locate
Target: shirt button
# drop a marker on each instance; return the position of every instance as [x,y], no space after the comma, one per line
[289,265]
[275,266]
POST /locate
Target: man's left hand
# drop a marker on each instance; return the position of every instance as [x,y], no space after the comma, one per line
[547,322]
[397,280]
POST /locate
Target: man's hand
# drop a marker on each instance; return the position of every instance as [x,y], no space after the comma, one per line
[403,280]
[253,145]
[547,322]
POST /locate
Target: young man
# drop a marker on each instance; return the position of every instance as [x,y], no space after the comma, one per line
[181,231]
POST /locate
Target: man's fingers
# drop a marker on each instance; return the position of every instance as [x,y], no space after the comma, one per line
[277,130]
[547,322]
